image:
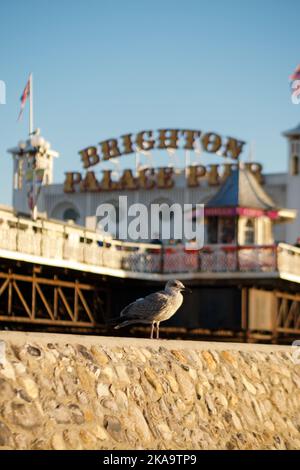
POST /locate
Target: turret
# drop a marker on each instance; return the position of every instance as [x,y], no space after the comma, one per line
[32,169]
[293,137]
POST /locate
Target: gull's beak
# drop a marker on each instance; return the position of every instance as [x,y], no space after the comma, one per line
[187,290]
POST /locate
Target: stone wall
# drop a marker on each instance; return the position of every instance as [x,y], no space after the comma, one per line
[79,392]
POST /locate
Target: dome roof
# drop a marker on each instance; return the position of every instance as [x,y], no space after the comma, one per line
[292,132]
[241,189]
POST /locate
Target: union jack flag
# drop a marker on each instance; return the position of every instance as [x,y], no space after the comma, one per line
[296,74]
[295,82]
[24,97]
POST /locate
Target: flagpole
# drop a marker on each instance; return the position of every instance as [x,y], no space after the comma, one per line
[31,105]
[34,209]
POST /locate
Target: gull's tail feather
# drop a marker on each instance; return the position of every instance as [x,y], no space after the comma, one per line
[125,323]
[118,321]
[130,322]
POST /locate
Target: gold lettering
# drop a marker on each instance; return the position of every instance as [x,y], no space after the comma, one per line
[110,149]
[211,142]
[213,175]
[71,179]
[89,183]
[233,148]
[190,137]
[145,180]
[128,181]
[195,172]
[89,157]
[168,138]
[127,142]
[142,143]
[107,184]
[165,178]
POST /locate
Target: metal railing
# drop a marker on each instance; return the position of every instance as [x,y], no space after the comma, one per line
[56,240]
[288,259]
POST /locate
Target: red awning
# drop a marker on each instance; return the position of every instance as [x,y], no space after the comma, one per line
[236,211]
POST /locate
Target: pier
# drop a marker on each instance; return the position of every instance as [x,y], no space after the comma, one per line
[61,275]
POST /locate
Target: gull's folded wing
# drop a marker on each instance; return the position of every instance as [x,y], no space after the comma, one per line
[146,308]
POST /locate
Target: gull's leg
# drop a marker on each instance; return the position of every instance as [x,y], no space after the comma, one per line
[157,330]
[152,330]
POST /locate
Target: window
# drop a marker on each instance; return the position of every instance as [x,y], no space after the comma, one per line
[71,214]
[221,230]
[295,165]
[249,232]
[227,230]
[295,147]
[212,232]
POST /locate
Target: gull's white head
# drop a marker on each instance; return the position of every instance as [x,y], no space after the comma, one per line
[175,286]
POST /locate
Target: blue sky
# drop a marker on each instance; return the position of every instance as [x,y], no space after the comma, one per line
[104,68]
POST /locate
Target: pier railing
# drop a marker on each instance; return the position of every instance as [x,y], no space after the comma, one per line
[288,259]
[58,241]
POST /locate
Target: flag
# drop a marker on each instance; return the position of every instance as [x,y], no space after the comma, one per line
[296,74]
[34,181]
[38,182]
[24,97]
[295,84]
[295,89]
[39,176]
[30,188]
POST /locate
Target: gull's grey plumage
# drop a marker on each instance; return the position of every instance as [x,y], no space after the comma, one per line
[154,308]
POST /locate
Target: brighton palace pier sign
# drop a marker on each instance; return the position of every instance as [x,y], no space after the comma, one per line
[150,178]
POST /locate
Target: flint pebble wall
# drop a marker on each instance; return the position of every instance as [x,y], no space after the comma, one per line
[80,392]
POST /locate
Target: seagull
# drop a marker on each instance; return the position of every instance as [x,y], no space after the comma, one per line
[154,308]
